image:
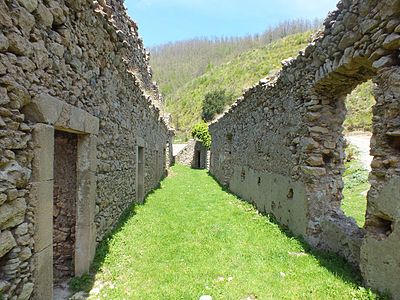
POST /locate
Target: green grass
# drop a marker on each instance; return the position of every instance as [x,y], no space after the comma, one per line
[193,238]
[356,185]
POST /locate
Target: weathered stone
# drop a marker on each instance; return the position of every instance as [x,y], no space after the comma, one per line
[314,171]
[22,229]
[26,291]
[315,161]
[3,198]
[18,44]
[5,18]
[44,15]
[3,42]
[383,62]
[30,5]
[392,42]
[7,242]
[12,194]
[12,214]
[58,13]
[15,174]
[26,21]
[348,39]
[57,49]
[25,254]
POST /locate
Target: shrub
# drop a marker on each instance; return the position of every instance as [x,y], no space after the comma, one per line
[214,103]
[200,132]
[352,152]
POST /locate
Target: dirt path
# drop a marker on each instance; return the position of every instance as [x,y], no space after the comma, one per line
[362,142]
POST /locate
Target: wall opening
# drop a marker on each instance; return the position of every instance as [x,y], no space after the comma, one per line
[140,175]
[198,159]
[157,162]
[357,132]
[290,194]
[64,205]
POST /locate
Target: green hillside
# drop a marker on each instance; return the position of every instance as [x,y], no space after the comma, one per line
[240,73]
[359,108]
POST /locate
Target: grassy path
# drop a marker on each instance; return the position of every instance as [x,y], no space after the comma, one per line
[191,238]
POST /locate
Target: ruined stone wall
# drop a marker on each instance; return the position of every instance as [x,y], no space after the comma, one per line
[63,64]
[281,145]
[194,155]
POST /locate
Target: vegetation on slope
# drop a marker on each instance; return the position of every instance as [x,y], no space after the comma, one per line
[192,238]
[240,73]
[175,64]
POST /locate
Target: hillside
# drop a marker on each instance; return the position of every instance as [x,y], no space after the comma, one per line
[234,76]
[359,108]
[175,64]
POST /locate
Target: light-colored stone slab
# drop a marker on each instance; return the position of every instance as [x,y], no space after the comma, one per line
[42,164]
[43,274]
[42,199]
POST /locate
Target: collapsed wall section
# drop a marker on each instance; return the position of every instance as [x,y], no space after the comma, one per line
[78,67]
[281,146]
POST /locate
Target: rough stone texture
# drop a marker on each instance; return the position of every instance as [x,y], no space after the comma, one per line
[280,146]
[194,155]
[86,62]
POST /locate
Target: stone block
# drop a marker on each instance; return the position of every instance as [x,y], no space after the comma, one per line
[44,109]
[43,274]
[12,213]
[30,5]
[42,164]
[26,291]
[85,248]
[87,153]
[86,198]
[7,242]
[42,199]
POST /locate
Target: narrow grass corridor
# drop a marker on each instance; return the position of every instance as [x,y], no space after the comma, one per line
[192,238]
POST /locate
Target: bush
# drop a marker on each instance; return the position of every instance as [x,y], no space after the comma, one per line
[200,132]
[214,103]
[352,152]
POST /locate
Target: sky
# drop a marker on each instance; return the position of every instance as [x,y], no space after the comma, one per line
[163,21]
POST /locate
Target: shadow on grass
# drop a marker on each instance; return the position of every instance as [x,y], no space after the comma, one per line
[85,282]
[333,262]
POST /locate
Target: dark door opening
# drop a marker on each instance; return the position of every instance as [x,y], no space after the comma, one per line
[198,159]
[140,175]
[64,205]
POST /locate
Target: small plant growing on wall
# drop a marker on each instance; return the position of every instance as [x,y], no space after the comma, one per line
[200,132]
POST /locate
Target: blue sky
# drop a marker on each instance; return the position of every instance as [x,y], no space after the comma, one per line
[162,21]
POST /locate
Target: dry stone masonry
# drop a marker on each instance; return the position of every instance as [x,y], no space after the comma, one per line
[280,146]
[77,101]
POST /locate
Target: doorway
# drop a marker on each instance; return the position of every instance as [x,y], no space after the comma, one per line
[64,205]
[140,175]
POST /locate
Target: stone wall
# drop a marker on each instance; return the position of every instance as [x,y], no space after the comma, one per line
[80,67]
[280,146]
[194,155]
